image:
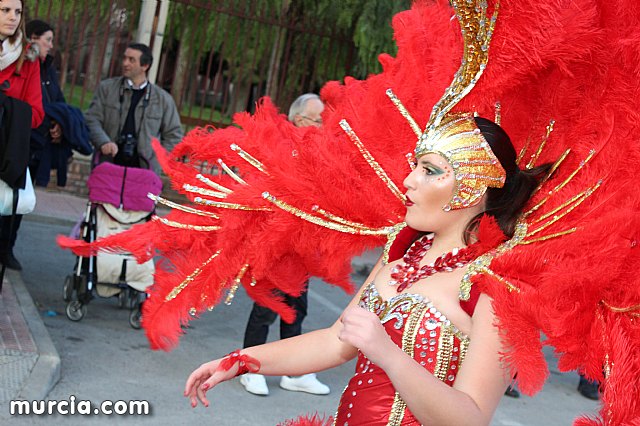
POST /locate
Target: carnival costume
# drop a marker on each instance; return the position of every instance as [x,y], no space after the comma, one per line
[561,79]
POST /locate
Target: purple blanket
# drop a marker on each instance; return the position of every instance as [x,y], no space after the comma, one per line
[125,187]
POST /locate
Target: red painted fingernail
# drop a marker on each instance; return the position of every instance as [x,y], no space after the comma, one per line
[205,386]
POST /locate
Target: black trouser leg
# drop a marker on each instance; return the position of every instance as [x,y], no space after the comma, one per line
[8,236]
[299,304]
[258,326]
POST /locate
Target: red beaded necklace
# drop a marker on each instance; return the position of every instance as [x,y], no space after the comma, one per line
[405,275]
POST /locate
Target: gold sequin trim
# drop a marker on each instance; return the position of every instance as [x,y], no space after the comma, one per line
[569,205]
[236,284]
[390,239]
[481,264]
[403,111]
[338,219]
[179,225]
[248,158]
[321,222]
[477,30]
[180,207]
[633,311]
[232,206]
[202,191]
[561,185]
[213,184]
[371,161]
[230,172]
[174,293]
[498,113]
[551,171]
[398,408]
[534,157]
[445,347]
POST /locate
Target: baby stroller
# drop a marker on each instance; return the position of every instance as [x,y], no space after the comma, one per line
[117,200]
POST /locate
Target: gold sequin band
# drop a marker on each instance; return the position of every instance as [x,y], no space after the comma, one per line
[337,219]
[230,172]
[180,207]
[212,184]
[551,171]
[390,239]
[561,184]
[321,222]
[498,113]
[403,111]
[371,161]
[202,191]
[179,225]
[569,206]
[174,293]
[482,263]
[534,157]
[633,311]
[232,206]
[477,30]
[236,284]
[248,158]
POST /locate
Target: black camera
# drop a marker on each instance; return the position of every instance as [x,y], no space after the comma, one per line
[128,145]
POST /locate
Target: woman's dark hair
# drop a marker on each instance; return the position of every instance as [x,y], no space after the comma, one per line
[506,203]
[36,28]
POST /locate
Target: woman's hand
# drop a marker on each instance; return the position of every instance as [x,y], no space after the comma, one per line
[204,378]
[363,329]
[56,133]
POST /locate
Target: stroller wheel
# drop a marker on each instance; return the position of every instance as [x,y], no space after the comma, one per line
[75,310]
[135,317]
[123,296]
[67,290]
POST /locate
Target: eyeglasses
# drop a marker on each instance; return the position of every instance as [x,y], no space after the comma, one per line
[317,120]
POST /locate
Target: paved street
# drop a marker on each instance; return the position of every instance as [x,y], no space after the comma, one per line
[103,358]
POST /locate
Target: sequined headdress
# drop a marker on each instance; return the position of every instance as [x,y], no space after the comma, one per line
[456,136]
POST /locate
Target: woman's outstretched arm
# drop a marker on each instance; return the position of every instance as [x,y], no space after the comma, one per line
[309,352]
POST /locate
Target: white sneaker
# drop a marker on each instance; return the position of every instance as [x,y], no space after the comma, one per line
[254,383]
[307,383]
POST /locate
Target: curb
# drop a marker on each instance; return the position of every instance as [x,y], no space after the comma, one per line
[40,218]
[46,371]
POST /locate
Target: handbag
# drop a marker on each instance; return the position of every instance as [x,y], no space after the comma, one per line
[26,198]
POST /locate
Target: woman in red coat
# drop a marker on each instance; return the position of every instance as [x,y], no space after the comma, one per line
[20,71]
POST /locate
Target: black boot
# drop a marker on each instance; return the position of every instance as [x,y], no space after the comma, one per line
[512,392]
[588,389]
[10,261]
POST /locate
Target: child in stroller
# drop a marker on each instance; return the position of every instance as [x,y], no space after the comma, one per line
[117,200]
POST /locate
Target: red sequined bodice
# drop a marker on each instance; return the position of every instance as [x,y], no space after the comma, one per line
[416,326]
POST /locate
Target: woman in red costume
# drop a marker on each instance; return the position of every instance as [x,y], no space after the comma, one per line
[407,325]
[488,246]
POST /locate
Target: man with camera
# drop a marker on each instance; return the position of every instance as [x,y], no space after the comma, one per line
[127,112]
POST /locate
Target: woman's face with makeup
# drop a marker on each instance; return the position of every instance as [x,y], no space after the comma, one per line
[430,187]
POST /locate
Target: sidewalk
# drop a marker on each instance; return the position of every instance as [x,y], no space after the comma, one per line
[29,362]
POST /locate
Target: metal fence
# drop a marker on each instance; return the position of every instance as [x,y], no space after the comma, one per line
[218,57]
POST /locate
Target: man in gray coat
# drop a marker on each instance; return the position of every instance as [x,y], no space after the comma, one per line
[127,112]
